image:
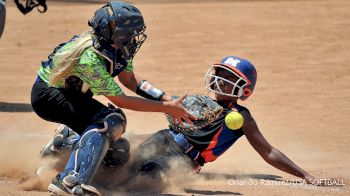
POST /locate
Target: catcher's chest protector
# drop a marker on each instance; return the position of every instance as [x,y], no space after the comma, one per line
[116,62]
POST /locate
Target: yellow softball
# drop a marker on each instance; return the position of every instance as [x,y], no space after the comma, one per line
[234,120]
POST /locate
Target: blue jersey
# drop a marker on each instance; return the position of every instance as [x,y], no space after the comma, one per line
[214,139]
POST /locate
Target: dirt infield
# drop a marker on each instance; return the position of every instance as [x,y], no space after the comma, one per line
[301,102]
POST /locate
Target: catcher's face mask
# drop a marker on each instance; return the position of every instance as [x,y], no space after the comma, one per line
[121,24]
[229,84]
[130,42]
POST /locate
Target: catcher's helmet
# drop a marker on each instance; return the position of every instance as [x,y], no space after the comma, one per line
[242,68]
[120,23]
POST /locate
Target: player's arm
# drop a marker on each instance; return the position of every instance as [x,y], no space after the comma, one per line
[141,87]
[174,108]
[270,154]
[104,84]
[92,72]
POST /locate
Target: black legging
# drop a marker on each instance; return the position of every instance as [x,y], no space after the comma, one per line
[65,106]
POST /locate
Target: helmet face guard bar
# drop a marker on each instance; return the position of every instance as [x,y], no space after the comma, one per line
[212,82]
[130,44]
[137,42]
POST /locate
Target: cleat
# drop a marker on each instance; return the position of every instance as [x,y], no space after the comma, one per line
[62,141]
[56,187]
[61,187]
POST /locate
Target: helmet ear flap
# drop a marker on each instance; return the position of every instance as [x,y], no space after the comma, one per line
[246,93]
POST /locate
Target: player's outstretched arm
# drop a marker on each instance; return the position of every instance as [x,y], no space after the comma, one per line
[270,154]
[131,81]
[173,108]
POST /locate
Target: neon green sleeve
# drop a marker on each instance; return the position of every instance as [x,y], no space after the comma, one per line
[91,69]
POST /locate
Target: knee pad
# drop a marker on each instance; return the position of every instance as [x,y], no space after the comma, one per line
[113,121]
[117,154]
[95,142]
[92,146]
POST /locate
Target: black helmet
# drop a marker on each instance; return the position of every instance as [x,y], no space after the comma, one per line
[128,25]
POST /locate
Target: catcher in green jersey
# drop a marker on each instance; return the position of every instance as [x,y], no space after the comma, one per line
[85,66]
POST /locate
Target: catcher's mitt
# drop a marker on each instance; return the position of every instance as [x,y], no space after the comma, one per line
[201,106]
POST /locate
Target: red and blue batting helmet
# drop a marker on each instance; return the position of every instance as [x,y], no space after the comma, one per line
[242,68]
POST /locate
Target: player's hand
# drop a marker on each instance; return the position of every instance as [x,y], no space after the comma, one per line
[178,112]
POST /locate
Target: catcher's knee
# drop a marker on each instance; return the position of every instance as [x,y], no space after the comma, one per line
[111,121]
[95,141]
[108,127]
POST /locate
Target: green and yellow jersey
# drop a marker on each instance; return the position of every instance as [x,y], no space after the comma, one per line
[91,69]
